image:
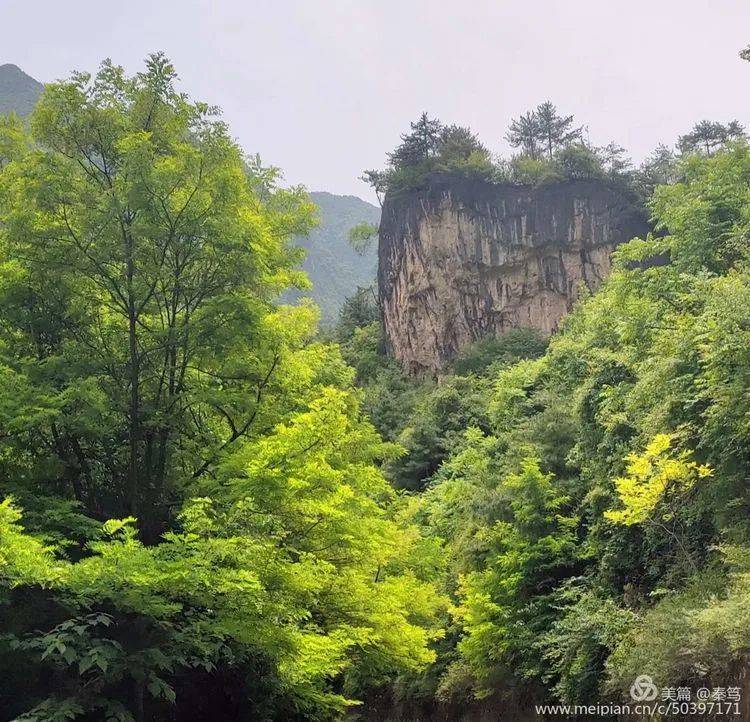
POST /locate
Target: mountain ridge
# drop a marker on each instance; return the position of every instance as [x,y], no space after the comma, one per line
[334,267]
[19,92]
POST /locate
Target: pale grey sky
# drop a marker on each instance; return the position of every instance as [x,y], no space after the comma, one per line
[322,88]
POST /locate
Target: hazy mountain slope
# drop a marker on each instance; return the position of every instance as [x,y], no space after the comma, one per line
[18,91]
[334,268]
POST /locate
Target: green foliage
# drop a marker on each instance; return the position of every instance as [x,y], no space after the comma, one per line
[137,275]
[358,311]
[437,423]
[707,136]
[502,351]
[696,636]
[652,476]
[705,214]
[295,555]
[530,170]
[551,149]
[507,602]
[659,168]
[581,523]
[362,237]
[580,641]
[208,511]
[542,131]
[430,148]
[207,518]
[578,162]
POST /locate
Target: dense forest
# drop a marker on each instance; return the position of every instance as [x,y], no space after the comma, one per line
[213,511]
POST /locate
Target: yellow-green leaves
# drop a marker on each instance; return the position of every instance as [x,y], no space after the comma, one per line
[650,476]
[23,559]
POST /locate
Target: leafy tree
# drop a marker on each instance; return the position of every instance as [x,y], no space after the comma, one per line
[296,529]
[579,643]
[524,133]
[362,236]
[555,131]
[659,168]
[431,147]
[506,604]
[578,162]
[542,130]
[498,352]
[650,476]
[358,311]
[378,180]
[145,351]
[707,136]
[652,365]
[655,486]
[259,558]
[527,170]
[457,144]
[614,160]
[704,213]
[419,145]
[439,420]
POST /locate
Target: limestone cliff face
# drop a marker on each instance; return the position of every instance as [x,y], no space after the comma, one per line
[466,258]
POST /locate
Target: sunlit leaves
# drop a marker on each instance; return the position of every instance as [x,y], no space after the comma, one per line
[649,476]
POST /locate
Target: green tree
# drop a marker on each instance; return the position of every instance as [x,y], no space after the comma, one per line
[578,162]
[659,168]
[260,559]
[418,145]
[555,131]
[524,133]
[143,266]
[508,603]
[362,236]
[458,145]
[295,558]
[542,131]
[358,311]
[707,136]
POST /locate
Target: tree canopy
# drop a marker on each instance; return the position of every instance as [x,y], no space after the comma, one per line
[591,499]
[210,510]
[193,504]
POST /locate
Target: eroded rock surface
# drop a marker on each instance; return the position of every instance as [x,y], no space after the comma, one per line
[464,259]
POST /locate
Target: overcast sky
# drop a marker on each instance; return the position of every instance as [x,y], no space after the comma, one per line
[322,88]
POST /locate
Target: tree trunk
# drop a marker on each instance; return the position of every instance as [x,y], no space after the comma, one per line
[134,364]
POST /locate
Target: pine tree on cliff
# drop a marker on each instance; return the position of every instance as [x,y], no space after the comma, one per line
[419,144]
[459,144]
[540,130]
[555,130]
[524,133]
[708,136]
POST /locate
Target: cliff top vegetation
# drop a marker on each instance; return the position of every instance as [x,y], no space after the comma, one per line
[550,148]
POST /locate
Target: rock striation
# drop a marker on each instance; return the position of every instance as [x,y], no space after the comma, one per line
[464,258]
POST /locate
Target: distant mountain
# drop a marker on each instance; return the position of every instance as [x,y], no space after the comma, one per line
[334,268]
[18,91]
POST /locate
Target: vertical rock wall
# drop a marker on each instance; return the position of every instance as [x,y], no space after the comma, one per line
[466,258]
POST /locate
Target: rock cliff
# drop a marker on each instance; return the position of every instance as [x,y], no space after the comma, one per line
[463,258]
